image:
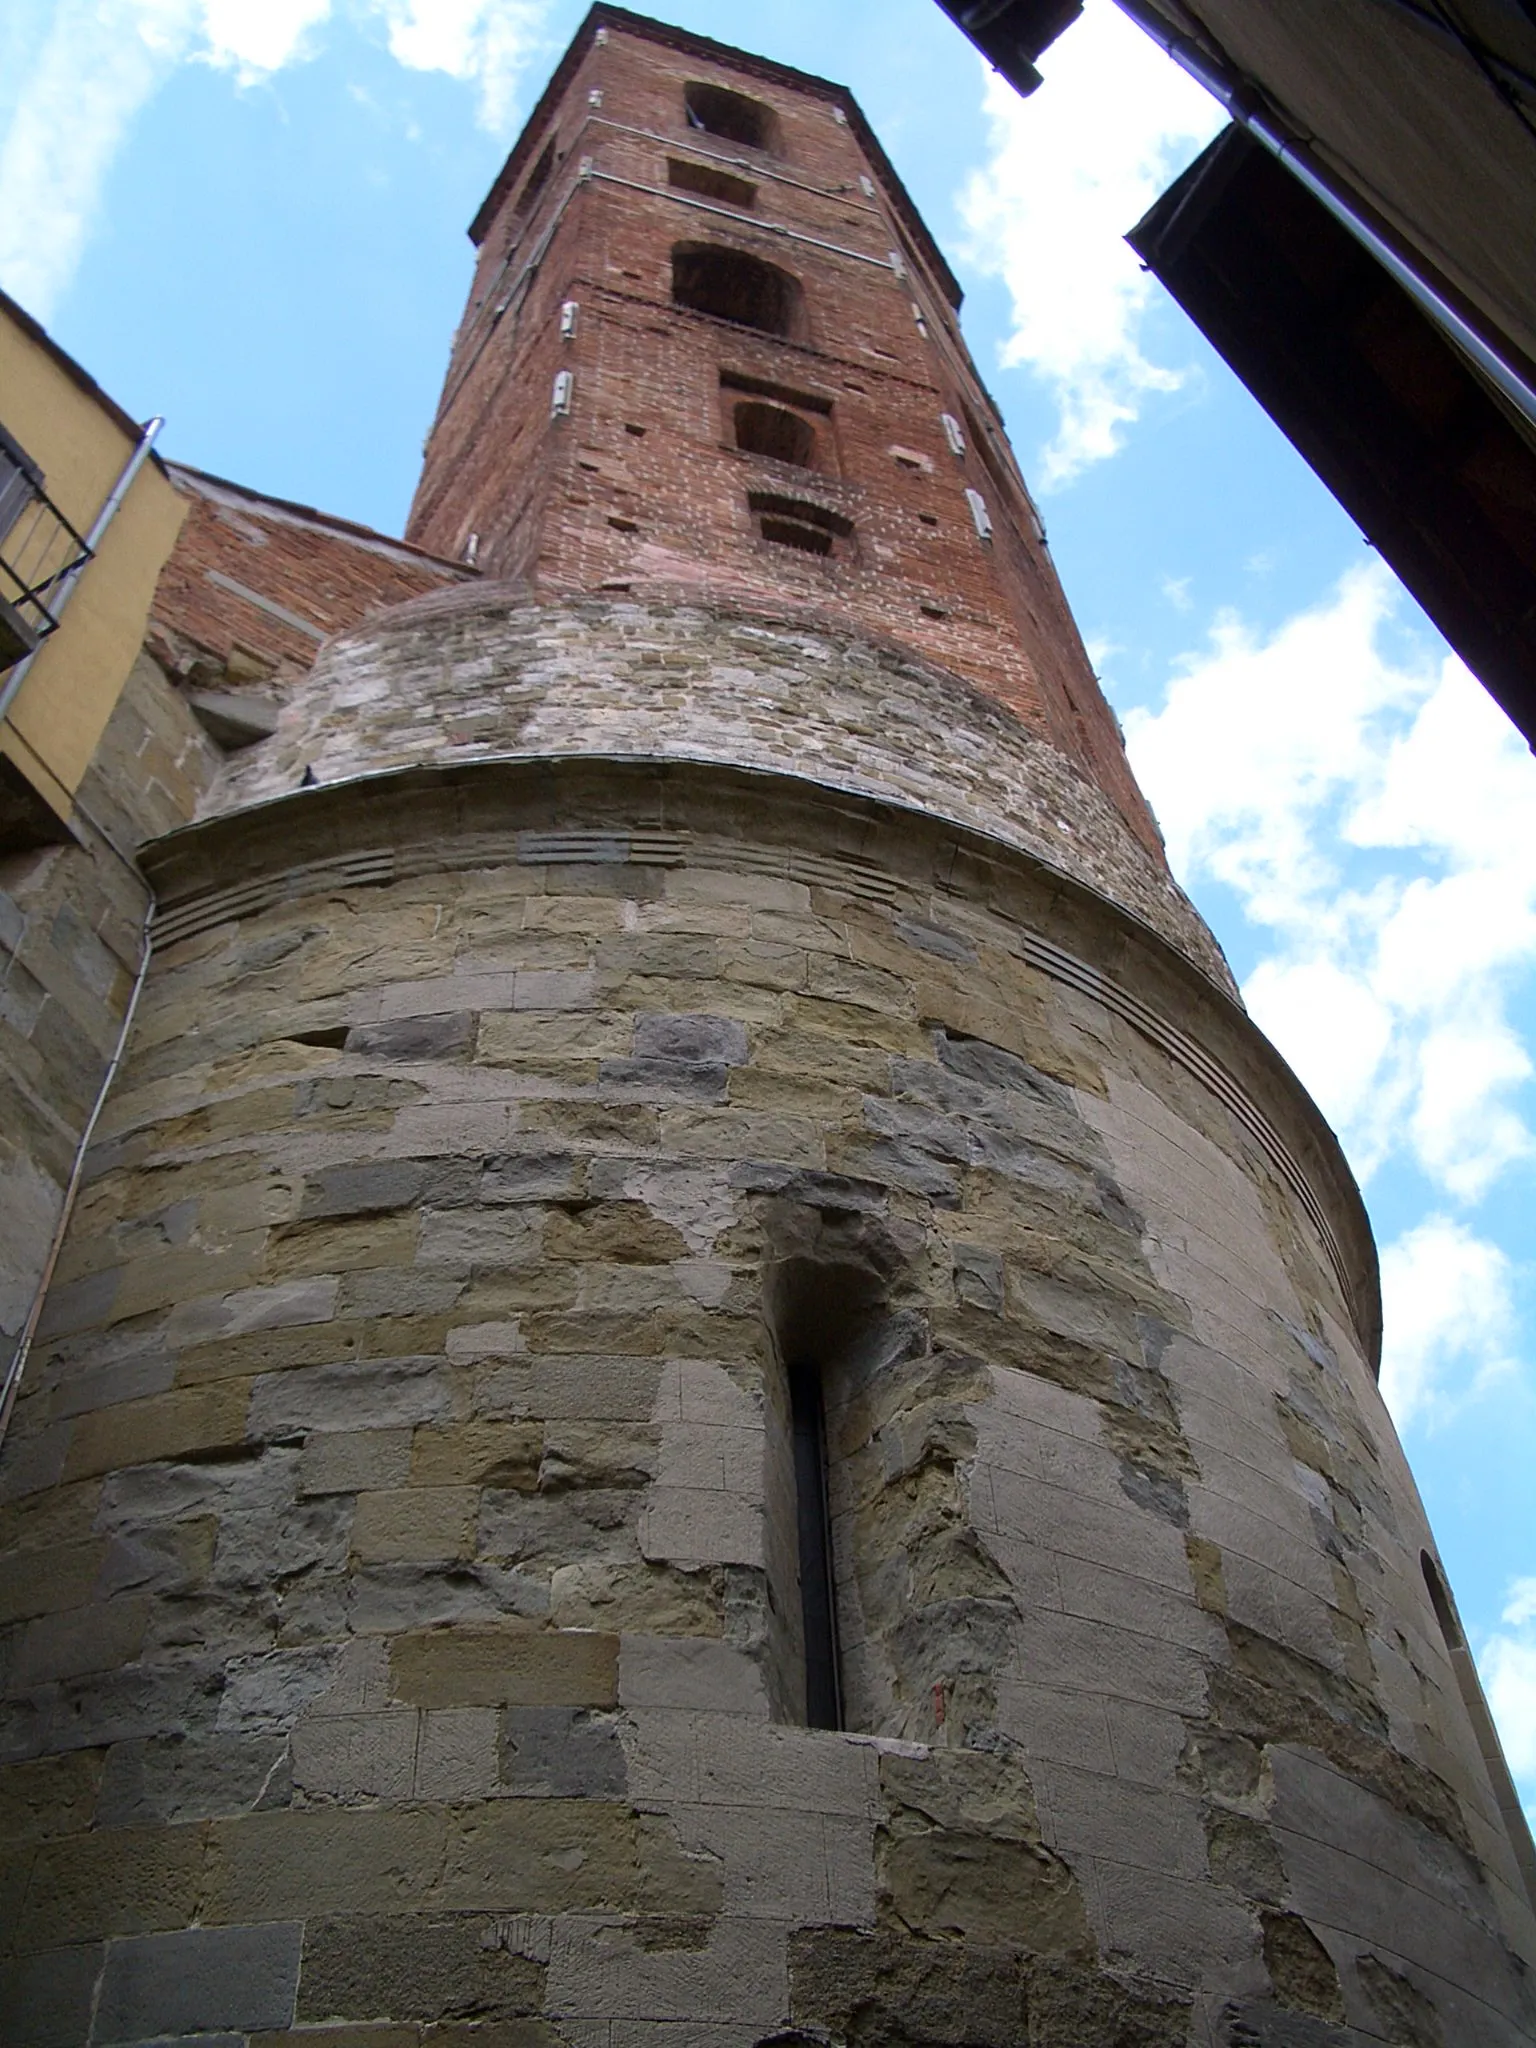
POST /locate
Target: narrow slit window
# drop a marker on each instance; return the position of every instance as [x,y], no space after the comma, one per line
[537,179]
[813,1522]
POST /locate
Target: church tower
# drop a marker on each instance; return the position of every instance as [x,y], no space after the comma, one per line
[706,1390]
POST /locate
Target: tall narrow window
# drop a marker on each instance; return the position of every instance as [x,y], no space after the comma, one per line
[813,1524]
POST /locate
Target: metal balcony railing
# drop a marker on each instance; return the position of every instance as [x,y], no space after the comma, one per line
[39,552]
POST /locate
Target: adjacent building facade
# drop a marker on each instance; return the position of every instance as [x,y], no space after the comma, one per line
[705,1388]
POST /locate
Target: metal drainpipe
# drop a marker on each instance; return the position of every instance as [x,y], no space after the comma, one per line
[13,1371]
[1234,94]
[99,525]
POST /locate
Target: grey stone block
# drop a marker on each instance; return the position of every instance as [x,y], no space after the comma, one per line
[266,1694]
[392,1393]
[45,2000]
[676,1080]
[696,1039]
[445,1037]
[199,1980]
[932,938]
[176,1778]
[364,1190]
[529,1177]
[561,1753]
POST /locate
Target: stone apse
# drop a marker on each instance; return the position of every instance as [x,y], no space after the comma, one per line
[706,1390]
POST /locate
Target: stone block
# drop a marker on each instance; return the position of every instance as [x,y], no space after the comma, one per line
[309,1299]
[737,1979]
[198,1981]
[341,1245]
[355,1756]
[415,1524]
[447,1036]
[46,1796]
[463,1239]
[375,1189]
[561,1753]
[512,1665]
[544,1038]
[88,1639]
[190,1778]
[698,1039]
[29,1586]
[456,1754]
[353,1461]
[46,2000]
[531,1177]
[415,1967]
[690,1672]
[499,1454]
[113,1881]
[275,1866]
[691,1525]
[789,1769]
[392,1392]
[569,1856]
[195,1419]
[265,1693]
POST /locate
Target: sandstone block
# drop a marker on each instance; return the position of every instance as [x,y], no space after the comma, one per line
[29,1587]
[509,1039]
[161,1426]
[53,1795]
[414,1524]
[85,1639]
[690,1672]
[499,1454]
[415,1967]
[113,1881]
[274,1866]
[572,1855]
[514,1665]
[341,1247]
[199,1981]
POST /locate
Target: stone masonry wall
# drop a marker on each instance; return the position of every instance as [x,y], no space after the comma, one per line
[400,1450]
[71,941]
[491,672]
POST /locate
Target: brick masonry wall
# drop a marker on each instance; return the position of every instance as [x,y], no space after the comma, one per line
[254,587]
[487,672]
[71,940]
[402,1670]
[642,486]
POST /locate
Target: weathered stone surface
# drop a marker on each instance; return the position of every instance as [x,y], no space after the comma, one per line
[46,2000]
[561,1753]
[510,1665]
[198,1981]
[424,1968]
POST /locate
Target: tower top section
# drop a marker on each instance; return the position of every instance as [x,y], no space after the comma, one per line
[603,20]
[711,353]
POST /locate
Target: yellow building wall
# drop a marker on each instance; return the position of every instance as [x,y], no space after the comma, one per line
[74,683]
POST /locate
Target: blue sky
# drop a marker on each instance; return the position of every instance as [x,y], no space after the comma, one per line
[249,215]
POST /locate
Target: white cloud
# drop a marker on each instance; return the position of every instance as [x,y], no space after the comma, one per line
[1508,1670]
[1448,1315]
[1371,812]
[81,74]
[1071,170]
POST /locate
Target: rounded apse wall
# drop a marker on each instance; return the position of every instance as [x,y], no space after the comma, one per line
[414,1450]
[490,672]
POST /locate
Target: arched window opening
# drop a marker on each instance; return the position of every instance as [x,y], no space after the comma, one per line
[716,110]
[1465,1670]
[730,285]
[709,183]
[536,180]
[799,523]
[774,431]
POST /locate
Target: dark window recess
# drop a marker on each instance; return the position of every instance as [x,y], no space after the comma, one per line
[730,285]
[797,523]
[760,387]
[710,183]
[537,179]
[818,1602]
[716,110]
[771,430]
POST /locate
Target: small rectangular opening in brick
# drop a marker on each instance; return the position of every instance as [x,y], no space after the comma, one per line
[709,183]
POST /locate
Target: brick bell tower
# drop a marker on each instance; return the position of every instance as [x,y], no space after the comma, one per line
[708,1391]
